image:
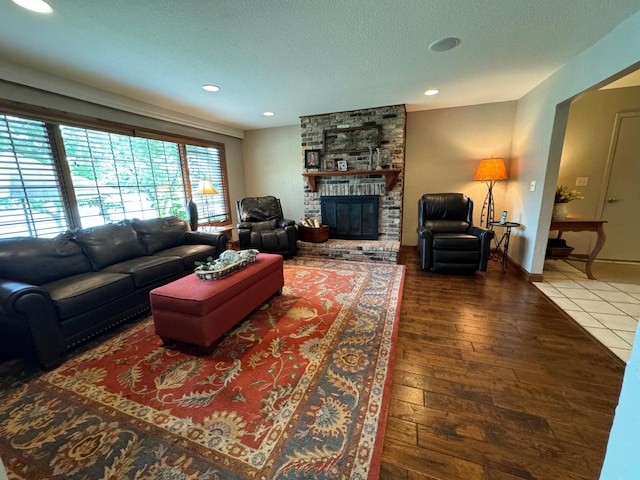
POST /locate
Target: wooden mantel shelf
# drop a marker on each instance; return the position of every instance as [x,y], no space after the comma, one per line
[390,174]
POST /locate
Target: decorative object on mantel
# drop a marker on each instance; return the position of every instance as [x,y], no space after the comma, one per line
[562,197]
[228,261]
[370,158]
[490,171]
[328,164]
[342,165]
[378,165]
[312,160]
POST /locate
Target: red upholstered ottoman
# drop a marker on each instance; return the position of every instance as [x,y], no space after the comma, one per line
[201,311]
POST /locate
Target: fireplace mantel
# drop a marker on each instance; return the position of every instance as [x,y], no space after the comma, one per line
[390,174]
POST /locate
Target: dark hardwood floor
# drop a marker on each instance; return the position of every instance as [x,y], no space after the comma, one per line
[493,381]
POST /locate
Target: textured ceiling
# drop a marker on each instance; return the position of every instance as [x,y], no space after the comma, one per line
[300,57]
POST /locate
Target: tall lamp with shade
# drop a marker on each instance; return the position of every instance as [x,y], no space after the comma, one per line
[490,171]
[206,188]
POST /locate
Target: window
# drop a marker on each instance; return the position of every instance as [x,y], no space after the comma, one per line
[56,177]
[117,176]
[205,163]
[31,201]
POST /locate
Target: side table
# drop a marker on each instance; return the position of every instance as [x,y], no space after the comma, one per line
[580,224]
[502,245]
[226,230]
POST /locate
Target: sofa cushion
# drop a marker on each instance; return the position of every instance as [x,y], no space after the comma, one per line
[190,254]
[264,226]
[41,260]
[84,292]
[270,240]
[161,233]
[110,243]
[147,270]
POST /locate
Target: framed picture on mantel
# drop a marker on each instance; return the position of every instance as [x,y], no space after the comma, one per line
[342,165]
[312,159]
[329,165]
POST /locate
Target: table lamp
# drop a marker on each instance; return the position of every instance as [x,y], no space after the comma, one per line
[490,171]
[206,188]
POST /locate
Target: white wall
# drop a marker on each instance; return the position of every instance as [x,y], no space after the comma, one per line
[273,165]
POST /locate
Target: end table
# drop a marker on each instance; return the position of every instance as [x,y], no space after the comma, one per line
[502,245]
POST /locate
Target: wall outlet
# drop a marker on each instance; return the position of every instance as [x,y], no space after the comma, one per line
[532,186]
[582,181]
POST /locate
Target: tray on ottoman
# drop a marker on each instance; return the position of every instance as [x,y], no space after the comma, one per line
[197,312]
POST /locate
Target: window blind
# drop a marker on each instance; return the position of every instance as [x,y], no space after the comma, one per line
[206,163]
[58,176]
[31,201]
[118,176]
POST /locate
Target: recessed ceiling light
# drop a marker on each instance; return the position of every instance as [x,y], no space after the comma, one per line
[211,88]
[444,44]
[268,114]
[38,6]
[432,91]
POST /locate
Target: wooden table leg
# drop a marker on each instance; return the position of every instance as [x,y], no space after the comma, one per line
[598,246]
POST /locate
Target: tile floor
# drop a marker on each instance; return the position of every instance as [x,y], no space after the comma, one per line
[608,310]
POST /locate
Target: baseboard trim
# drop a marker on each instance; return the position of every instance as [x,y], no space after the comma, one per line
[529,277]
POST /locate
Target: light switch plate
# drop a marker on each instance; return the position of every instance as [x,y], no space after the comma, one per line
[582,181]
[532,186]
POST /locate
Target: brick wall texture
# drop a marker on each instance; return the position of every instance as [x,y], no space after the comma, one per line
[392,120]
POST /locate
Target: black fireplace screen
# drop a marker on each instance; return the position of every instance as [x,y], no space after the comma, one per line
[351,217]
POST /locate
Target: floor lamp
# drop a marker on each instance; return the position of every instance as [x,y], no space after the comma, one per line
[490,171]
[206,188]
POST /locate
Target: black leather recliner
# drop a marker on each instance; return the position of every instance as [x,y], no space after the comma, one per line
[263,226]
[447,239]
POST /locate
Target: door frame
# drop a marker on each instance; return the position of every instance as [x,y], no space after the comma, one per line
[608,169]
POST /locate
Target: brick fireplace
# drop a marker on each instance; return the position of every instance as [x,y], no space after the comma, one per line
[350,139]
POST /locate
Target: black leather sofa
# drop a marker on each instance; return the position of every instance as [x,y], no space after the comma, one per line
[56,293]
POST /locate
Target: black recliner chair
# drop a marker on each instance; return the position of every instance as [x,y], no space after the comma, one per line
[263,226]
[447,239]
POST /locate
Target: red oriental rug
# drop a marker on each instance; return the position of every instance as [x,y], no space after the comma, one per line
[298,390]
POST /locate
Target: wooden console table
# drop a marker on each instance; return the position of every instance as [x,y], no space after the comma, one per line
[579,224]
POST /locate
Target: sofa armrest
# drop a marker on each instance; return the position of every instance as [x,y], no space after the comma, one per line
[424,233]
[285,222]
[30,320]
[425,241]
[485,235]
[12,293]
[216,239]
[245,226]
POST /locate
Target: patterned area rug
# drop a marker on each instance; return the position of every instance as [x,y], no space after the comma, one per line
[298,390]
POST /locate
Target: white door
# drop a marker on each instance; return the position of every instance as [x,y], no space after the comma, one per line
[621,195]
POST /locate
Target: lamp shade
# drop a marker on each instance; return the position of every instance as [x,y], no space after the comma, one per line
[206,188]
[491,169]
